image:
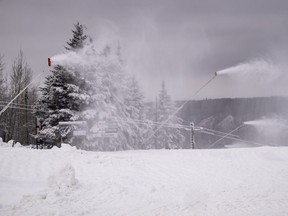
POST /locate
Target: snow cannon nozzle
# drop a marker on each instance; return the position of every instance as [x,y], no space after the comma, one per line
[49,62]
[216,73]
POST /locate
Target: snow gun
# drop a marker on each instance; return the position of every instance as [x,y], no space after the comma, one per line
[49,62]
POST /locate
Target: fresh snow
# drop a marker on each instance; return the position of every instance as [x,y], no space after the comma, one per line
[66,181]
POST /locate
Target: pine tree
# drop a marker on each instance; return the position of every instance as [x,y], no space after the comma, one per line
[107,92]
[64,94]
[134,99]
[135,110]
[79,38]
[169,136]
[115,97]
[96,90]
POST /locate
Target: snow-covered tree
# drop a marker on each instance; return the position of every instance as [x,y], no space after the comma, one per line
[64,94]
[135,112]
[168,136]
[114,97]
[79,38]
[107,91]
[134,99]
[62,100]
[94,88]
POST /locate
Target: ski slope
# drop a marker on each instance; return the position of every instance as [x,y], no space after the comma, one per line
[66,181]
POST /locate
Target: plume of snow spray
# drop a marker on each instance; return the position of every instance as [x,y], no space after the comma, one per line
[260,77]
[68,58]
[81,57]
[262,70]
[270,128]
[85,57]
[269,124]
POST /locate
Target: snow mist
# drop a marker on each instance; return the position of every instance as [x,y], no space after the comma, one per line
[257,78]
[82,57]
[272,130]
[68,58]
[263,70]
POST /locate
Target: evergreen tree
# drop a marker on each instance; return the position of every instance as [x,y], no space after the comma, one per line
[107,89]
[169,136]
[79,38]
[115,97]
[62,100]
[135,111]
[64,94]
[134,99]
[95,90]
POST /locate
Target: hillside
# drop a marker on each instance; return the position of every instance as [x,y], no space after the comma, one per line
[228,113]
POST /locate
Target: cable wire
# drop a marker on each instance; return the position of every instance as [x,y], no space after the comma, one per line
[177,110]
[220,132]
[20,108]
[153,123]
[7,106]
[232,138]
[213,144]
[18,104]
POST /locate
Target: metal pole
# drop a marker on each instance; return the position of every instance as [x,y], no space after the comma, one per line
[192,135]
[26,118]
[156,120]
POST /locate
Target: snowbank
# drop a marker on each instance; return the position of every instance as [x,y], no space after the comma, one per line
[66,181]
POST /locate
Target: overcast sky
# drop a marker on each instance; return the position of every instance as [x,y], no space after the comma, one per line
[180,41]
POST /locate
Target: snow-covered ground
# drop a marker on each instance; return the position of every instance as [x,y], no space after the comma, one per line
[66,181]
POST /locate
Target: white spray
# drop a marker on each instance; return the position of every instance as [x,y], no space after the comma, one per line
[263,70]
[81,57]
[267,76]
[257,78]
[271,129]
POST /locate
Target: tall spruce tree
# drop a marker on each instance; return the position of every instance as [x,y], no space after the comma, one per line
[107,90]
[63,95]
[95,89]
[168,137]
[79,38]
[135,112]
[115,97]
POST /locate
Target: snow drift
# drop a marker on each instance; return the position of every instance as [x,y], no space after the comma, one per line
[66,181]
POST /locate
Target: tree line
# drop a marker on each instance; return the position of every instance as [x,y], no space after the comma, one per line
[17,123]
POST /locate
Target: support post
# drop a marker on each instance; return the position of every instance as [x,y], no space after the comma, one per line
[156,120]
[26,118]
[192,135]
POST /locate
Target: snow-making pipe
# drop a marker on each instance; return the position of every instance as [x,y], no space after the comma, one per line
[7,106]
[177,110]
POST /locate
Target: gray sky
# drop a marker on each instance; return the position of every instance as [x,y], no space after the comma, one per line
[180,41]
